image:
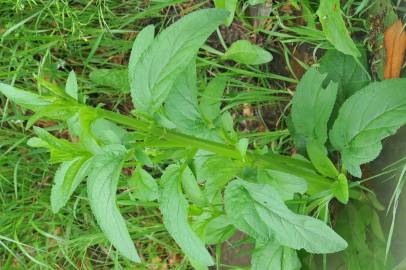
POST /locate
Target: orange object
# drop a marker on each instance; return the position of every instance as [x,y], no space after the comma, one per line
[395,46]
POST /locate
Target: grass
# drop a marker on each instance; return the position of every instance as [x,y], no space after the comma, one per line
[47,39]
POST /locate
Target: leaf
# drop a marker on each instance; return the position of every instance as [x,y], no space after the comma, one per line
[365,250]
[143,185]
[116,79]
[72,85]
[242,146]
[61,150]
[67,178]
[217,172]
[168,56]
[141,44]
[174,209]
[272,256]
[311,108]
[286,184]
[218,230]
[108,132]
[259,211]
[210,101]
[329,13]
[142,157]
[318,156]
[24,98]
[181,104]
[101,188]
[256,2]
[242,51]
[191,188]
[367,117]
[230,6]
[340,189]
[348,72]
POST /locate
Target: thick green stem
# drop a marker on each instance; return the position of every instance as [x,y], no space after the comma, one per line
[289,165]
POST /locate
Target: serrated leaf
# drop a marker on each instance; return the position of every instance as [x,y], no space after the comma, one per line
[311,108]
[333,24]
[72,85]
[319,158]
[210,101]
[242,51]
[141,44]
[184,95]
[116,79]
[286,184]
[168,56]
[343,69]
[174,209]
[102,187]
[143,185]
[26,99]
[272,256]
[367,117]
[67,178]
[259,211]
[217,172]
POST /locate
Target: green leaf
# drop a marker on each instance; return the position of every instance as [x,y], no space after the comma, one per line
[101,188]
[24,98]
[333,24]
[72,85]
[272,256]
[218,230]
[286,184]
[108,132]
[256,2]
[367,117]
[142,157]
[67,178]
[143,185]
[61,149]
[340,189]
[319,158]
[174,209]
[365,250]
[191,188]
[210,101]
[227,125]
[116,79]
[242,51]
[217,172]
[168,56]
[242,146]
[141,44]
[230,6]
[259,211]
[348,72]
[311,108]
[181,104]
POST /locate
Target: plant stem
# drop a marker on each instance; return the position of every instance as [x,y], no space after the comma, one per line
[317,183]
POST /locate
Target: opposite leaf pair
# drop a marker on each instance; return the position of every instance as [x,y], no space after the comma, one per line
[367,114]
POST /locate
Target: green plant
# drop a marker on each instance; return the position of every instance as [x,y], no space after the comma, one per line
[212,183]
